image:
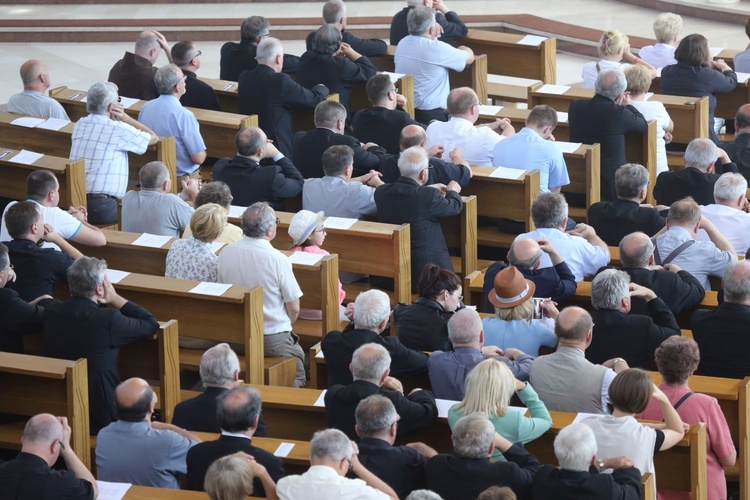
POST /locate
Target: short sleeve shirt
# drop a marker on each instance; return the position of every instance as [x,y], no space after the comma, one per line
[338,198]
[33,103]
[476,143]
[527,150]
[583,258]
[65,224]
[192,259]
[590,72]
[321,482]
[700,259]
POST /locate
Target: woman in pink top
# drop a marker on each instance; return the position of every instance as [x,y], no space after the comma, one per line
[677,358]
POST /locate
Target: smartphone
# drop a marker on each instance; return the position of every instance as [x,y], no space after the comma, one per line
[538,311]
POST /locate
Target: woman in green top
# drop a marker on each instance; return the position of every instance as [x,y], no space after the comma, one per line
[489,387]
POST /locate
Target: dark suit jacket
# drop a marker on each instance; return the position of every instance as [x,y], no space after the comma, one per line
[456,478]
[382,126]
[251,182]
[269,95]
[416,411]
[422,207]
[202,455]
[723,336]
[674,186]
[309,148]
[551,482]
[453,26]
[339,74]
[134,77]
[239,57]
[738,151]
[17,318]
[37,269]
[29,476]
[633,337]
[613,220]
[400,467]
[441,171]
[601,120]
[198,94]
[198,414]
[557,282]
[80,328]
[367,47]
[679,291]
[339,347]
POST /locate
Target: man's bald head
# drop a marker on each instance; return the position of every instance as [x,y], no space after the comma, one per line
[573,324]
[525,253]
[412,135]
[610,83]
[145,44]
[461,100]
[237,410]
[133,400]
[636,250]
[31,71]
[42,429]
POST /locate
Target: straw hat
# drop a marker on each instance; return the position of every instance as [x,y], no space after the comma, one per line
[303,224]
[511,289]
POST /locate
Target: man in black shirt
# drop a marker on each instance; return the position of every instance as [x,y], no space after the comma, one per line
[334,12]
[198,94]
[452,25]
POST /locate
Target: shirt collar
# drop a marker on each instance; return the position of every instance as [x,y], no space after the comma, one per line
[235,435]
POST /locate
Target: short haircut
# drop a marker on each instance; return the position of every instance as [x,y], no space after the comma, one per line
[701,153]
[407,141]
[336,159]
[4,258]
[39,183]
[610,83]
[634,255]
[741,120]
[497,493]
[412,161]
[419,20]
[472,436]
[20,216]
[676,358]
[84,275]
[576,331]
[638,78]
[183,53]
[249,140]
[377,88]
[332,444]
[268,49]
[693,50]
[489,387]
[333,11]
[218,365]
[375,414]
[42,430]
[611,42]
[138,410]
[229,478]
[369,362]
[30,71]
[433,280]
[257,219]
[684,212]
[737,282]
[253,28]
[167,77]
[461,100]
[146,41]
[464,327]
[371,308]
[328,112]
[423,494]
[542,116]
[208,222]
[575,447]
[549,210]
[99,96]
[630,180]
[214,192]
[667,27]
[514,261]
[609,288]
[631,390]
[327,39]
[153,174]
[237,409]
[729,187]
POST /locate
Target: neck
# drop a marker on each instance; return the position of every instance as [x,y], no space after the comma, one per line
[700,169]
[383,436]
[191,69]
[469,345]
[743,130]
[730,204]
[742,303]
[619,413]
[572,343]
[35,88]
[158,190]
[638,97]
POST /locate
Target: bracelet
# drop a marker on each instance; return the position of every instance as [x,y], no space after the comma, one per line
[601,465]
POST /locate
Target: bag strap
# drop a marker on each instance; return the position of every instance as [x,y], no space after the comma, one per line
[682,399]
[598,69]
[677,251]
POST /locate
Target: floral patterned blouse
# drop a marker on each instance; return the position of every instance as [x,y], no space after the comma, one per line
[192,259]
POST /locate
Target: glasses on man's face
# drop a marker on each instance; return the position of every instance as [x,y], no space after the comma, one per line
[198,54]
[9,268]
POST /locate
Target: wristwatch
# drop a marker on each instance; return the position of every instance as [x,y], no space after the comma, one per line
[614,363]
[601,465]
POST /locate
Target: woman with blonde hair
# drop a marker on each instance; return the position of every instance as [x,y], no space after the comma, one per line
[614,47]
[489,387]
[193,258]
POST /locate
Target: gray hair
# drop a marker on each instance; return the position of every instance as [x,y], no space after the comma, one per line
[575,447]
[549,210]
[30,71]
[333,11]
[257,219]
[249,140]
[375,414]
[42,428]
[636,254]
[327,113]
[327,39]
[153,174]
[701,153]
[630,180]
[253,28]
[514,261]
[371,308]
[729,187]
[167,77]
[609,288]
[268,49]
[737,282]
[237,409]
[332,444]
[4,258]
[611,83]
[412,161]
[100,96]
[218,365]
[369,363]
[472,436]
[423,494]
[84,275]
[464,327]
[146,41]
[420,20]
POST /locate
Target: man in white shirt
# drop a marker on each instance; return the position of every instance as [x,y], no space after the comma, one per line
[730,212]
[421,54]
[580,248]
[667,28]
[332,456]
[476,143]
[252,261]
[32,100]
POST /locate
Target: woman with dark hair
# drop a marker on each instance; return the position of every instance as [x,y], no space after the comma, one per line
[696,75]
[677,358]
[423,325]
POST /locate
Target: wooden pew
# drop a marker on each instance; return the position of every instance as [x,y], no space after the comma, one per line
[58,142]
[461,233]
[33,384]
[70,174]
[148,493]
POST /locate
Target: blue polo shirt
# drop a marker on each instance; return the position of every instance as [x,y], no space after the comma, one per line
[526,150]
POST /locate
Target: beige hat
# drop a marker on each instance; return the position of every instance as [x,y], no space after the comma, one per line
[511,289]
[303,224]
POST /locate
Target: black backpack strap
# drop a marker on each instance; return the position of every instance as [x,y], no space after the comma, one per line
[657,259]
[677,251]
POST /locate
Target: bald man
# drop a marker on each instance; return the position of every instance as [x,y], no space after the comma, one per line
[556,282]
[134,73]
[45,438]
[738,149]
[136,450]
[32,100]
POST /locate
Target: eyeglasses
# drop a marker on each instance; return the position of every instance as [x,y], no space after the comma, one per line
[460,297]
[320,230]
[9,268]
[197,55]
[267,33]
[394,90]
[348,460]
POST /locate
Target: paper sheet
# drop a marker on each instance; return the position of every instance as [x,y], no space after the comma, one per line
[84,98]
[715,51]
[443,405]
[321,401]
[76,96]
[112,491]
[151,240]
[128,101]
[531,40]
[215,289]
[27,121]
[583,416]
[507,173]
[236,211]
[228,87]
[283,449]
[742,77]
[568,147]
[53,124]
[319,355]
[553,89]
[658,72]
[305,258]
[338,223]
[394,76]
[26,157]
[562,116]
[116,276]
[216,246]
[473,308]
[485,109]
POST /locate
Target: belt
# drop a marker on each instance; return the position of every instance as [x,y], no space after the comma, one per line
[99,196]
